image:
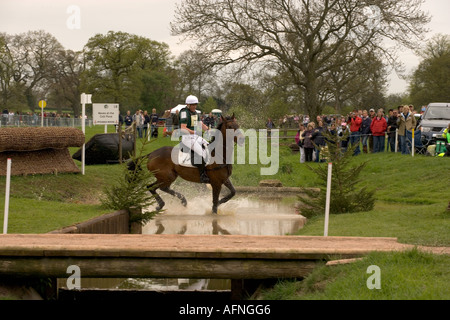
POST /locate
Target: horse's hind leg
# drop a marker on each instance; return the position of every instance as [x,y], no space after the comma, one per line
[230,186]
[175,194]
[152,188]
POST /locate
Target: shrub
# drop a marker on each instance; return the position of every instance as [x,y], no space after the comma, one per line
[130,191]
[346,197]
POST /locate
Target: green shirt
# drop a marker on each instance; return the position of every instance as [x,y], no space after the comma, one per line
[446,135]
[189,118]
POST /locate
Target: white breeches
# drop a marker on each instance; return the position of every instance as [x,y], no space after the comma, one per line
[195,143]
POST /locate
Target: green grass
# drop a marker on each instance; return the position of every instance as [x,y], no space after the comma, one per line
[410,275]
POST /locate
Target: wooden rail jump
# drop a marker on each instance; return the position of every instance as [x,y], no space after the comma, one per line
[234,257]
[178,256]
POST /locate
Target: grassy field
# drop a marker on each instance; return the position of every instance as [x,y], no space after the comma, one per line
[412,197]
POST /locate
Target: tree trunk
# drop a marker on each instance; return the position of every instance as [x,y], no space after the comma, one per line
[312,105]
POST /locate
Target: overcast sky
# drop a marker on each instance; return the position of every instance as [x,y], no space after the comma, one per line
[148,18]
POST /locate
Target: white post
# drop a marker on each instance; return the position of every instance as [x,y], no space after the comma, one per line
[396,140]
[327,204]
[8,184]
[106,128]
[42,116]
[412,143]
[85,98]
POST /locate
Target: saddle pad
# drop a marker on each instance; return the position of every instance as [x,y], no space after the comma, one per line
[184,159]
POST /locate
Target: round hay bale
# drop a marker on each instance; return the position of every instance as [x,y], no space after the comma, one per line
[39,138]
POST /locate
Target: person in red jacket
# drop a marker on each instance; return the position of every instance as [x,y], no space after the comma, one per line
[378,128]
[355,134]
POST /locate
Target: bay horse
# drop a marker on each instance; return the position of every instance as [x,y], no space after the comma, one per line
[164,169]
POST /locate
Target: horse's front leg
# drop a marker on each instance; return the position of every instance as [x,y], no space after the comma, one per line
[216,193]
[230,186]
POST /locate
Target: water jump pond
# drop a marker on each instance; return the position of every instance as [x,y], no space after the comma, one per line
[268,212]
[253,211]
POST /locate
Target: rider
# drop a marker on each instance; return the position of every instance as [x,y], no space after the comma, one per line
[190,123]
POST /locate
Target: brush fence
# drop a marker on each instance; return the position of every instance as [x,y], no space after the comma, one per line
[39,150]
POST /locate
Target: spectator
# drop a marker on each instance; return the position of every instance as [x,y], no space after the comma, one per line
[306,120]
[365,129]
[372,115]
[355,125]
[378,128]
[209,120]
[405,122]
[318,139]
[308,143]
[269,125]
[169,122]
[342,131]
[175,120]
[120,118]
[154,118]
[300,142]
[128,119]
[146,123]
[391,129]
[139,119]
[446,136]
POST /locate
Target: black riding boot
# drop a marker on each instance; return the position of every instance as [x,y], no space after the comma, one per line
[202,169]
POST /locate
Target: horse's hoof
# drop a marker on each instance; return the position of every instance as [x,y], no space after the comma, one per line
[184,203]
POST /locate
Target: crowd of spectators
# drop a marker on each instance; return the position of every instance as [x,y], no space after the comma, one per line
[149,123]
[10,118]
[366,129]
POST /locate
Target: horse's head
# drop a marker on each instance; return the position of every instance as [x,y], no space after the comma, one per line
[229,123]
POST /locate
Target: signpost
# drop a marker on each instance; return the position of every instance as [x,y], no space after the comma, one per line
[42,105]
[105,113]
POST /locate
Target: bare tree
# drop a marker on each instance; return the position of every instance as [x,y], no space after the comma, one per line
[195,73]
[65,86]
[302,36]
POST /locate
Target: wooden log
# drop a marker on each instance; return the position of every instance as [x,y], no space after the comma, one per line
[156,268]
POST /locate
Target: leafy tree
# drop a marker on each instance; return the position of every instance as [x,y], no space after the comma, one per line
[64,90]
[431,80]
[121,66]
[27,61]
[209,105]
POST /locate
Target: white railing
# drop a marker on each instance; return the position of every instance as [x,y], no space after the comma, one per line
[35,121]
